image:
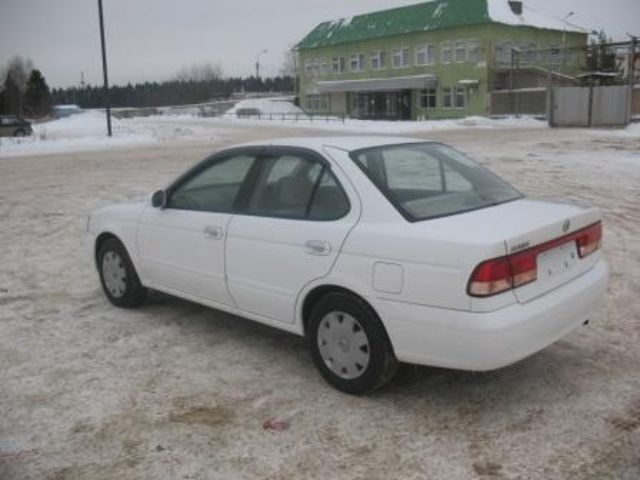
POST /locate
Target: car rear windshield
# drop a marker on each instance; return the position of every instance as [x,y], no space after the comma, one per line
[429,180]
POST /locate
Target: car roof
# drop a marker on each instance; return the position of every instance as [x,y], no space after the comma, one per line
[348,144]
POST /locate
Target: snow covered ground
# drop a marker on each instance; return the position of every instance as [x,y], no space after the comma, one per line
[87,131]
[178,391]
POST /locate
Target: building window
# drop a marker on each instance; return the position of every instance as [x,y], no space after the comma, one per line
[324,66]
[357,62]
[426,55]
[377,60]
[308,67]
[401,58]
[503,52]
[554,55]
[445,52]
[460,51]
[530,53]
[473,51]
[318,102]
[428,98]
[316,67]
[339,65]
[461,97]
[447,97]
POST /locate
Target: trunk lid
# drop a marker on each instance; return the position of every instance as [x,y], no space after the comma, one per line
[559,262]
[527,223]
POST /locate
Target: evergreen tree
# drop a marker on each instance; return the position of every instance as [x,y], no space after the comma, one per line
[12,97]
[37,98]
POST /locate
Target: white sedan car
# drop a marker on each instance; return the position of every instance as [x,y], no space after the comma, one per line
[379,250]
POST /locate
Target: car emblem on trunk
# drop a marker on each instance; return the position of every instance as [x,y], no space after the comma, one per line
[566,226]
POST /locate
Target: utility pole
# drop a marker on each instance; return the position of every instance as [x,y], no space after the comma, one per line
[511,68]
[104,70]
[633,47]
[258,71]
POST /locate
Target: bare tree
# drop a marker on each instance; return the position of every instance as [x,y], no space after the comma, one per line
[14,81]
[19,68]
[289,64]
[201,72]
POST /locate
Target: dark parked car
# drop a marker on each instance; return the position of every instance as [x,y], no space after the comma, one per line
[11,126]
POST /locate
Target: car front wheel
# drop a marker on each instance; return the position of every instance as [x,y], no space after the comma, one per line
[349,344]
[118,276]
[20,133]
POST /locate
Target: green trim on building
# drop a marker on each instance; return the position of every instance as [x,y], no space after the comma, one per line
[423,17]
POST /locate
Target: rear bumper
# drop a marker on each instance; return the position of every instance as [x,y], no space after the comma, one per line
[486,341]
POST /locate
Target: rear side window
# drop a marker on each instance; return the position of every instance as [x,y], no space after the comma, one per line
[292,186]
[429,180]
[329,201]
[213,189]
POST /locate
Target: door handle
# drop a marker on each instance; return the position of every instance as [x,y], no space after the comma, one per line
[317,247]
[212,232]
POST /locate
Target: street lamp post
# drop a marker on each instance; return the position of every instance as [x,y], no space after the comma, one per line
[258,70]
[104,70]
[563,53]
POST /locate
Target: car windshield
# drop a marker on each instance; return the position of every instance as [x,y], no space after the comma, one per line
[429,180]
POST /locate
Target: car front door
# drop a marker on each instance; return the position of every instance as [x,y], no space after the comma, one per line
[288,231]
[181,247]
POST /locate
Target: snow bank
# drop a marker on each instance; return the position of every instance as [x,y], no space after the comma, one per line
[632,130]
[388,127]
[88,131]
[84,131]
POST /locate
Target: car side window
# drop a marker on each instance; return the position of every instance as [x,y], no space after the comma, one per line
[213,189]
[329,201]
[292,186]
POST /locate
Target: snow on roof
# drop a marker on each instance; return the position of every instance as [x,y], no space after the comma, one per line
[428,16]
[67,107]
[500,12]
[267,105]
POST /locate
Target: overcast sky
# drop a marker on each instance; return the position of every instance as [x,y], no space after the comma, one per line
[150,39]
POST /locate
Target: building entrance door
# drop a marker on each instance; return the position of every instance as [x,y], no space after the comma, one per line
[384,105]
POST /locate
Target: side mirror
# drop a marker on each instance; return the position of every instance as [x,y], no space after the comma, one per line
[159,199]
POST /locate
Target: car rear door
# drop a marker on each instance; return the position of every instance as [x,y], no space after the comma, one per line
[181,247]
[288,232]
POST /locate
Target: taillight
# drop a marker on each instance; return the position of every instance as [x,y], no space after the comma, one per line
[589,240]
[490,277]
[524,267]
[501,274]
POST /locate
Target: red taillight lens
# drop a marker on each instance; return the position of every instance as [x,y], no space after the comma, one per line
[490,277]
[504,273]
[589,240]
[524,267]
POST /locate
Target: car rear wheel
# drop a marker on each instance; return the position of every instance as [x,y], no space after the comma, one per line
[20,133]
[349,344]
[118,276]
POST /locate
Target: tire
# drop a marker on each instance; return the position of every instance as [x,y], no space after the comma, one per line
[350,345]
[20,133]
[118,277]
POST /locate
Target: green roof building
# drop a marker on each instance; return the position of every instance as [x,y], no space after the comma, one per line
[440,59]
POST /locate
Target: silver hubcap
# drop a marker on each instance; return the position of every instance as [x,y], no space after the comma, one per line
[343,345]
[114,274]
